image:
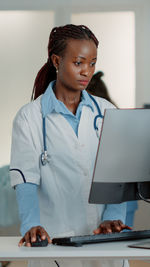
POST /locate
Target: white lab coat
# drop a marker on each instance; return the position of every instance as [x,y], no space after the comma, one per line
[64,182]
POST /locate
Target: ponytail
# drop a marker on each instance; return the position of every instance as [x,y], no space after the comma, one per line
[45,75]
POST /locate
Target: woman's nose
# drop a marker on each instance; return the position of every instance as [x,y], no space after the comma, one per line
[85,71]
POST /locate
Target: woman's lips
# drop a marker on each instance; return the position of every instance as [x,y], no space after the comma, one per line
[83,82]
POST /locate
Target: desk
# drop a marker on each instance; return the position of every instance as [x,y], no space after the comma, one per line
[9,250]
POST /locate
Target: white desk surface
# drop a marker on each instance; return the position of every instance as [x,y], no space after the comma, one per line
[9,250]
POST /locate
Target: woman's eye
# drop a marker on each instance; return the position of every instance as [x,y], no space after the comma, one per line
[92,64]
[77,63]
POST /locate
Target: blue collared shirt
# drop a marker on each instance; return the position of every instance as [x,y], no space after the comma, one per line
[50,104]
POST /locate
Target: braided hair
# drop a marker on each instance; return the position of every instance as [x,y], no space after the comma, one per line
[57,45]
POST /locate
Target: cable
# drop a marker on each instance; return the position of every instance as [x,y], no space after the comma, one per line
[139,193]
[57,263]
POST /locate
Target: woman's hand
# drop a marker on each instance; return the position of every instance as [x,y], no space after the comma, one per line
[30,236]
[111,226]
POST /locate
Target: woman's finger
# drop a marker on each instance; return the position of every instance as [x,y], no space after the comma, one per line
[21,242]
[33,234]
[28,239]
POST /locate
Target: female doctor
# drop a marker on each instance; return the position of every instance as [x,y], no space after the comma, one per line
[54,144]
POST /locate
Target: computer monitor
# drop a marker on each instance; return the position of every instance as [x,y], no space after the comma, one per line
[122,166]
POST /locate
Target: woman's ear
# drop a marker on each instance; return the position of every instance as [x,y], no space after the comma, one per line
[55,60]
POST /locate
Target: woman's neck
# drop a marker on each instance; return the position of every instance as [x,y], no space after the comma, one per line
[70,98]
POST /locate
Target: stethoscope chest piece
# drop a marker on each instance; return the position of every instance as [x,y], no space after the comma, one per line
[45,158]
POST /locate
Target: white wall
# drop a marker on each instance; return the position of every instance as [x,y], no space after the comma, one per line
[23,51]
[116,53]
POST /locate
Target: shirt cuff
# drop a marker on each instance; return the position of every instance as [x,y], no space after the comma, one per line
[115,212]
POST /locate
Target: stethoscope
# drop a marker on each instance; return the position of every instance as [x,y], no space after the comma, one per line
[44,156]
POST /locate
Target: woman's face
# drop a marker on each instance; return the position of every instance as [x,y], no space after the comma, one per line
[76,67]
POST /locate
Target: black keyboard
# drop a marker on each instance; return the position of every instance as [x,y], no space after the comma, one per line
[89,239]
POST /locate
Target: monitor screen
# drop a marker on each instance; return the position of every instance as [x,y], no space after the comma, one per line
[122,166]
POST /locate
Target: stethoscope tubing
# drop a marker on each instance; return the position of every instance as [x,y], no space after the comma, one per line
[99,113]
[44,155]
[44,134]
